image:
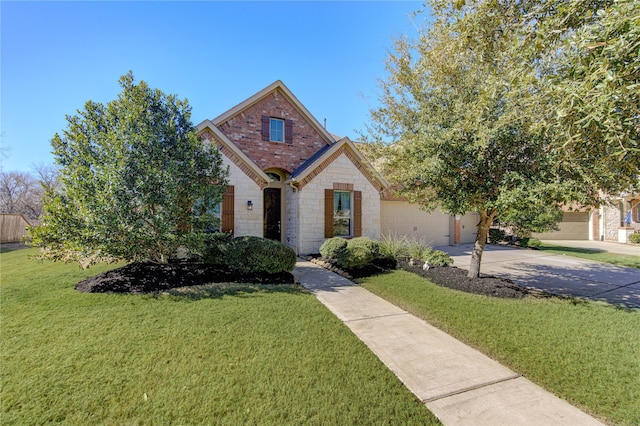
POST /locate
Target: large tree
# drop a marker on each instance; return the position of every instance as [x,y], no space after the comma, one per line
[466,138]
[586,55]
[135,181]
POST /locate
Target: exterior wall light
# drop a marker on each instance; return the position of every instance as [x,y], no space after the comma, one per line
[249,205]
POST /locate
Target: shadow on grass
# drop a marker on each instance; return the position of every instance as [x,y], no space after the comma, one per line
[220,290]
[9,247]
[571,249]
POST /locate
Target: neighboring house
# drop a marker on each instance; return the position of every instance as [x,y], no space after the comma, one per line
[613,221]
[617,220]
[291,180]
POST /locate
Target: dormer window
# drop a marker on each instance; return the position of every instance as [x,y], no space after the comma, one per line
[277,130]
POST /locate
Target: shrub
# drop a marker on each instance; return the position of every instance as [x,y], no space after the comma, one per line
[418,249]
[359,253]
[215,248]
[438,258]
[530,242]
[255,255]
[496,235]
[393,246]
[634,238]
[331,248]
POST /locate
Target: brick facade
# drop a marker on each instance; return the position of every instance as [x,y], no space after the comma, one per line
[245,130]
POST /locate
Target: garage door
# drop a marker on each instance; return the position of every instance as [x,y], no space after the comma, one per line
[574,226]
[469,227]
[402,218]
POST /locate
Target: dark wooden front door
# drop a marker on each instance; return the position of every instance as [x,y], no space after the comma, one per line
[272,214]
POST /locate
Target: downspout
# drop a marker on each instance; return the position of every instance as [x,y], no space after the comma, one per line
[291,183]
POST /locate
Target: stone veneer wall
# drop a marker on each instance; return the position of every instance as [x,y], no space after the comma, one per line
[290,237]
[246,222]
[311,204]
[611,222]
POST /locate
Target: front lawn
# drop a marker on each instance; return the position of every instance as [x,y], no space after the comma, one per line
[593,254]
[218,354]
[585,352]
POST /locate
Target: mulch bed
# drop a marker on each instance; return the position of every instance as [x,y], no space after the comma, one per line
[456,278]
[142,278]
[152,277]
[445,276]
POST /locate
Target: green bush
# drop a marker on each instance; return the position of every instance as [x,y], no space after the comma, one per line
[634,238]
[332,247]
[359,253]
[496,235]
[215,248]
[530,242]
[438,258]
[255,255]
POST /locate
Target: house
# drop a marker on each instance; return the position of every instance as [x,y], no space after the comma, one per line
[291,180]
[612,221]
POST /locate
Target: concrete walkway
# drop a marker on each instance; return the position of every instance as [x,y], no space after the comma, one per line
[562,275]
[457,383]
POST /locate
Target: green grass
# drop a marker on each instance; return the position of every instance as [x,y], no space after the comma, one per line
[218,354]
[594,254]
[587,353]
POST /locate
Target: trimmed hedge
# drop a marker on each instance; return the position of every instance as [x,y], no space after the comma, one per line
[634,238]
[251,255]
[438,258]
[359,253]
[216,247]
[331,248]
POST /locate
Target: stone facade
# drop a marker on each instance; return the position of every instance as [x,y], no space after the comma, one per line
[246,222]
[311,203]
[611,222]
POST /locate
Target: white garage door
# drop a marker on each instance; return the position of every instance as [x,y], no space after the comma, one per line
[574,226]
[402,218]
[469,227]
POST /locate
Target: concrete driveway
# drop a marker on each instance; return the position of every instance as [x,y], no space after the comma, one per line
[562,275]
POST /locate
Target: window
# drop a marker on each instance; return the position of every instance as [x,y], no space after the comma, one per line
[342,213]
[224,212]
[276,130]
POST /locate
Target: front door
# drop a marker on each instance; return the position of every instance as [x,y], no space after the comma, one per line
[272,214]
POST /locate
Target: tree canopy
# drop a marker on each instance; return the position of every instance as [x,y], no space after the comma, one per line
[477,123]
[136,183]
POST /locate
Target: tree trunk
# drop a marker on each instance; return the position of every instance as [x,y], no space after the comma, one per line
[478,247]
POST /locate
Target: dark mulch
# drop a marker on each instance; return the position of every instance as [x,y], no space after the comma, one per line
[153,277]
[455,278]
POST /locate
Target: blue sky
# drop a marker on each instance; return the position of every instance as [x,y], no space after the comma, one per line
[58,55]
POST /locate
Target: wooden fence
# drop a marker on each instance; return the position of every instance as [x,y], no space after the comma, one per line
[13,228]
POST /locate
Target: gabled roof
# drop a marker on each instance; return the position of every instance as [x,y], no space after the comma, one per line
[276,85]
[327,155]
[209,131]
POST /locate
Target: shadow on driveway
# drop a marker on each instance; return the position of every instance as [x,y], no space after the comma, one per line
[556,274]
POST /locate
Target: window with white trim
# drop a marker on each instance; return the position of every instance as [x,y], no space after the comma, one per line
[276,130]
